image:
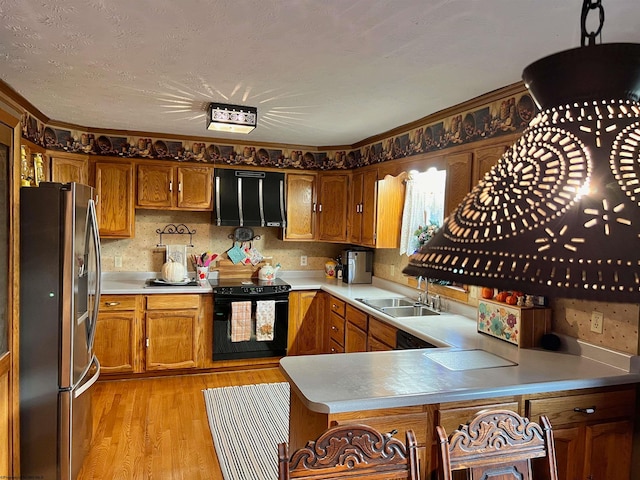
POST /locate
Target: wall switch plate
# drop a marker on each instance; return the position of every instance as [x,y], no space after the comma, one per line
[118,261]
[597,321]
[303,260]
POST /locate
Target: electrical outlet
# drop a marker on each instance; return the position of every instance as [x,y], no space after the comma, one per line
[303,260]
[393,270]
[118,261]
[597,320]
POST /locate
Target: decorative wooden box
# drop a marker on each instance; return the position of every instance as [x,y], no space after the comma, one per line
[522,326]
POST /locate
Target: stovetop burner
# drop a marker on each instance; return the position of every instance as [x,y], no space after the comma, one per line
[248,286]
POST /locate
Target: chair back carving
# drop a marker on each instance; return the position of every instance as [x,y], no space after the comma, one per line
[351,451]
[498,445]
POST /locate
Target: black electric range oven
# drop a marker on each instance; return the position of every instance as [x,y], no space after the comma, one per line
[227,291]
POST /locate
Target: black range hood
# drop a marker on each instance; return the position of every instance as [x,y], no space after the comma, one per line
[249,198]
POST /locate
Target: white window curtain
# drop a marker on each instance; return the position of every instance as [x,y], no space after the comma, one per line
[423,205]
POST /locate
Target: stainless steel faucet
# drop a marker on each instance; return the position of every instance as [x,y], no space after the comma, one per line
[421,294]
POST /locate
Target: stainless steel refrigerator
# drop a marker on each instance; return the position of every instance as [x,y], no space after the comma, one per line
[59,296]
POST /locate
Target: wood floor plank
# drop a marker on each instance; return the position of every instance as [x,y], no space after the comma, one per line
[157,428]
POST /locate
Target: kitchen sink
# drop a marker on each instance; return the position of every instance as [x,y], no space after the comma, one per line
[408,311]
[387,302]
[398,306]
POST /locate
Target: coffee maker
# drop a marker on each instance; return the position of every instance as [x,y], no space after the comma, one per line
[358,266]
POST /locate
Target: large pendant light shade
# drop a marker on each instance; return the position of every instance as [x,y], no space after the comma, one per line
[559,214]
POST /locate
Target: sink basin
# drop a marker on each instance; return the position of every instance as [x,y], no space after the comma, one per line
[408,311]
[387,302]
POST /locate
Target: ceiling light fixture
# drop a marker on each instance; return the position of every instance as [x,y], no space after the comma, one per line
[222,117]
[559,214]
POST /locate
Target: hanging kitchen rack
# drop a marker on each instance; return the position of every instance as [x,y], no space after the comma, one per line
[173,229]
[243,234]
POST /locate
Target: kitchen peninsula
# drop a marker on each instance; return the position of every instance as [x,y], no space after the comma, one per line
[588,393]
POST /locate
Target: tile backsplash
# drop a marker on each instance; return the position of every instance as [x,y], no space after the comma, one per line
[141,253]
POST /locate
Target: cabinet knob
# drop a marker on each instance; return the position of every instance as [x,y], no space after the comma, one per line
[170,186]
[111,304]
[588,410]
[334,328]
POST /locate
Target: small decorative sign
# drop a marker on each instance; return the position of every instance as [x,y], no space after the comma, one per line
[522,326]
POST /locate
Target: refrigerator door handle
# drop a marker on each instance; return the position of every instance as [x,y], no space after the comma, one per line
[94,378]
[98,269]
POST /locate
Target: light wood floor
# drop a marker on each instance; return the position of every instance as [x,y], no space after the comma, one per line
[157,428]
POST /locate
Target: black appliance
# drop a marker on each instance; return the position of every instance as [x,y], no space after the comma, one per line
[249,198]
[227,291]
[406,341]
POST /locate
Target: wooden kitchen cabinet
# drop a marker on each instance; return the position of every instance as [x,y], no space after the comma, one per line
[114,198]
[171,323]
[363,208]
[380,336]
[333,194]
[165,186]
[69,167]
[355,330]
[484,158]
[119,334]
[306,322]
[459,171]
[593,431]
[301,206]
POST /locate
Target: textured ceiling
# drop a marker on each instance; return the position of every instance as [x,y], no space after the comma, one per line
[320,72]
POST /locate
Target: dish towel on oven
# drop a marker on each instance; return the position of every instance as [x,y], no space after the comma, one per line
[265,318]
[240,321]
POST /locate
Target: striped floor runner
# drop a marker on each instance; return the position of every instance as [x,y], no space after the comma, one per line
[247,423]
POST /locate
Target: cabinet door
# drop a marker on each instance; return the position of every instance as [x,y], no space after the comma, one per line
[155,186]
[66,169]
[114,343]
[355,203]
[306,323]
[332,206]
[195,188]
[569,445]
[355,339]
[301,202]
[608,450]
[117,340]
[114,194]
[369,208]
[171,339]
[389,193]
[458,180]
[484,158]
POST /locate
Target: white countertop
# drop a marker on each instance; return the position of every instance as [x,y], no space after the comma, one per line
[371,380]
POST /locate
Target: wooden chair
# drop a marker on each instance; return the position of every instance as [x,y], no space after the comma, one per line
[498,445]
[351,452]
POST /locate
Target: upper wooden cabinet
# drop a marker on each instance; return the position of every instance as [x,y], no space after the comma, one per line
[69,167]
[458,179]
[301,206]
[114,198]
[169,187]
[363,208]
[333,195]
[317,206]
[484,158]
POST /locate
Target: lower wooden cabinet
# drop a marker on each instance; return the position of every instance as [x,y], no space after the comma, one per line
[381,336]
[306,322]
[118,334]
[355,330]
[146,333]
[171,323]
[593,431]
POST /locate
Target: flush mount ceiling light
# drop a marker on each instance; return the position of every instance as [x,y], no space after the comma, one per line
[222,117]
[559,214]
